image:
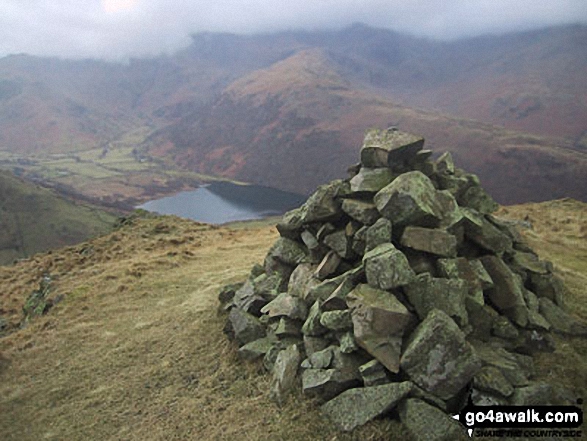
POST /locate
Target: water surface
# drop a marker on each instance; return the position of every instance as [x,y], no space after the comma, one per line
[222,202]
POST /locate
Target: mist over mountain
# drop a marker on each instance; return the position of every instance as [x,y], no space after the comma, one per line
[289,109]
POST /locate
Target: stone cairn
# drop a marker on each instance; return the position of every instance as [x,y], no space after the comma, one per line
[397,289]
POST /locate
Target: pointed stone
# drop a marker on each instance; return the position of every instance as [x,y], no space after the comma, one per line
[378,234]
[286,305]
[244,327]
[284,373]
[328,265]
[506,294]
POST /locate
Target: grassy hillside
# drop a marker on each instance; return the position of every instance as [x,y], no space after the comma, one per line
[135,349]
[35,219]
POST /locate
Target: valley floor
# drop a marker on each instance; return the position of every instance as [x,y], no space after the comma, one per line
[135,350]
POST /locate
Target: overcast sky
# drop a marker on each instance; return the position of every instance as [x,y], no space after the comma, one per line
[116,29]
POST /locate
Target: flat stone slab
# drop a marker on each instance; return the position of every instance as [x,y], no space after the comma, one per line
[286,305]
[438,358]
[244,326]
[430,240]
[355,407]
[382,148]
[362,211]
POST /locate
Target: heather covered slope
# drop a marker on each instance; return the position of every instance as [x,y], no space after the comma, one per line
[135,349]
[35,219]
[261,107]
[299,123]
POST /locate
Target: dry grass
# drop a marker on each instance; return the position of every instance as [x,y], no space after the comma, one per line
[135,351]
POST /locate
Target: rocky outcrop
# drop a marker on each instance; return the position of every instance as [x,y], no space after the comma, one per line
[397,288]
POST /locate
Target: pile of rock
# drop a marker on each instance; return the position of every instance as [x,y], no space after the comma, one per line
[397,288]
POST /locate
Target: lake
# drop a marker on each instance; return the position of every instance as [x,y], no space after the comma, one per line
[221,202]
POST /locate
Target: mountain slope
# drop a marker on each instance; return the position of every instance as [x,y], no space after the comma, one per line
[35,219]
[135,349]
[254,106]
[298,123]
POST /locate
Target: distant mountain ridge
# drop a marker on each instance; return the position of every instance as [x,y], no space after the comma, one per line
[289,109]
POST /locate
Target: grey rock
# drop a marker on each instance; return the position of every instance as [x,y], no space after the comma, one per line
[312,326]
[490,379]
[288,328]
[503,328]
[379,321]
[364,212]
[473,274]
[340,243]
[336,320]
[477,198]
[535,394]
[284,373]
[373,374]
[291,223]
[378,234]
[445,164]
[337,300]
[409,200]
[426,422]
[426,293]
[505,361]
[328,265]
[430,240]
[300,280]
[244,327]
[506,294]
[371,180]
[386,267]
[248,300]
[227,292]
[483,398]
[269,286]
[328,383]
[355,407]
[560,320]
[386,148]
[547,285]
[321,359]
[314,344]
[257,349]
[347,342]
[438,358]
[323,204]
[482,274]
[489,237]
[287,251]
[309,240]
[286,305]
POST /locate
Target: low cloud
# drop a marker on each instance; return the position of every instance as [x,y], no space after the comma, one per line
[117,29]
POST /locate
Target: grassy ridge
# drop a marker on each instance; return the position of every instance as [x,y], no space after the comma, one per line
[136,351]
[35,219]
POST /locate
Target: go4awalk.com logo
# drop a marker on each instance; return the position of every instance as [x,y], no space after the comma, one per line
[522,421]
